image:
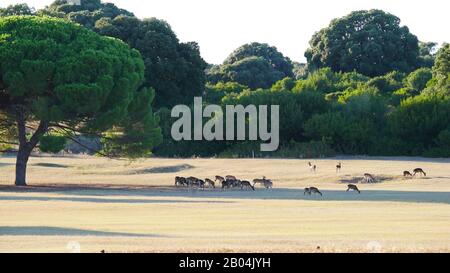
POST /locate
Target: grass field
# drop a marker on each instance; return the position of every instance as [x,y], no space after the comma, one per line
[93,204]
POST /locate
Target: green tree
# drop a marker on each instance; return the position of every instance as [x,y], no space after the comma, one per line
[430,113]
[388,83]
[369,42]
[254,72]
[60,78]
[255,65]
[18,9]
[354,126]
[427,53]
[441,69]
[215,92]
[269,53]
[86,14]
[417,80]
[175,70]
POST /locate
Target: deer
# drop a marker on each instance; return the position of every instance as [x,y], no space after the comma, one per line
[338,167]
[219,178]
[259,181]
[210,183]
[312,190]
[268,184]
[201,183]
[419,170]
[246,184]
[192,181]
[180,181]
[353,188]
[227,184]
[369,178]
[230,177]
[407,174]
[312,167]
[237,183]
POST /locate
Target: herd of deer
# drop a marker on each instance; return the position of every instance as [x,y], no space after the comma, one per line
[227,182]
[368,178]
[231,181]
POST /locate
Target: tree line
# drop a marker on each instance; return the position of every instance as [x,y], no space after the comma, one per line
[369,86]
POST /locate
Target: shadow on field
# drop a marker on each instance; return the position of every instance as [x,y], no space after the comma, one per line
[56,231]
[103,200]
[153,170]
[50,165]
[100,194]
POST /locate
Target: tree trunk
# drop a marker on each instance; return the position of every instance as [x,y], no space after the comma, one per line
[26,147]
[21,166]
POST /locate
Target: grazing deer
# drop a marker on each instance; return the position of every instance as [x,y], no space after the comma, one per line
[227,184]
[306,191]
[220,179]
[369,178]
[259,181]
[230,177]
[312,190]
[192,181]
[210,183]
[312,167]
[180,181]
[247,185]
[407,174]
[237,183]
[268,184]
[338,167]
[201,183]
[353,188]
[419,170]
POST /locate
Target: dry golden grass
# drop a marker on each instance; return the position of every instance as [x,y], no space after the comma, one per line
[120,206]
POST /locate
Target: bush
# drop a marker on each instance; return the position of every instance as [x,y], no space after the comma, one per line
[312,149]
[52,144]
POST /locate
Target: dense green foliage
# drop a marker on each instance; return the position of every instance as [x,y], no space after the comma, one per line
[370,42]
[18,9]
[254,65]
[56,76]
[369,87]
[175,70]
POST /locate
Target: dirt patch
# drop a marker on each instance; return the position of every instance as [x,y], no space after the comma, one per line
[348,179]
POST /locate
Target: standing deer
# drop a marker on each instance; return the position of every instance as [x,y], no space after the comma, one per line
[419,170]
[312,190]
[259,181]
[353,188]
[369,178]
[407,174]
[338,167]
[312,167]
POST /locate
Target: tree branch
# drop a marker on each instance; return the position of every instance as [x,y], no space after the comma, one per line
[61,126]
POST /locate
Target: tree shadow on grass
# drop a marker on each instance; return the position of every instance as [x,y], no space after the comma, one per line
[50,165]
[99,194]
[88,199]
[57,231]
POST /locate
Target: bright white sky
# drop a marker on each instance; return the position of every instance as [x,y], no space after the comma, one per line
[220,26]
